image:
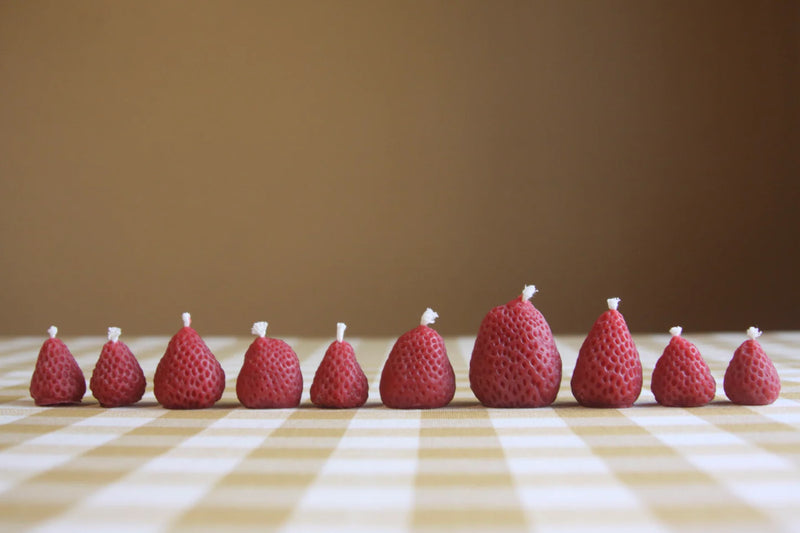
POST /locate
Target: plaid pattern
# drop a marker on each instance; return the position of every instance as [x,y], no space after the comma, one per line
[84,468]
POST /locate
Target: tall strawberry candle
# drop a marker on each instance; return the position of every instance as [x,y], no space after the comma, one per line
[515,362]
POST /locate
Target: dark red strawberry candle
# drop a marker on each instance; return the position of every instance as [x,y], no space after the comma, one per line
[417,373]
[339,382]
[751,377]
[270,377]
[57,378]
[608,372]
[681,378]
[515,362]
[188,376]
[117,379]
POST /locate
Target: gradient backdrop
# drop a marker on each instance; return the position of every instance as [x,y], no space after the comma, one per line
[312,162]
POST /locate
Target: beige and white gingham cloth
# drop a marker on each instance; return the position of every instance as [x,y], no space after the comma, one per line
[83,468]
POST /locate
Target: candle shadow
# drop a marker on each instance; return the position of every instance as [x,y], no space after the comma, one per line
[464,404]
[143,403]
[227,404]
[378,405]
[311,407]
[565,404]
[231,404]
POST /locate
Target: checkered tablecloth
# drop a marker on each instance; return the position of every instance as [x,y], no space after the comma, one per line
[564,468]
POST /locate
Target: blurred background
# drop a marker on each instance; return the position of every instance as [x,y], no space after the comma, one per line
[312,162]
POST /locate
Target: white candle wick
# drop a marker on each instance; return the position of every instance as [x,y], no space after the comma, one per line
[428,317]
[187,319]
[676,331]
[340,327]
[528,291]
[260,329]
[613,303]
[114,333]
[53,331]
[753,332]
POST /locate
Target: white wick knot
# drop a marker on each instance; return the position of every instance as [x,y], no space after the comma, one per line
[428,317]
[676,331]
[259,328]
[528,291]
[52,331]
[753,332]
[340,327]
[114,333]
[613,303]
[187,319]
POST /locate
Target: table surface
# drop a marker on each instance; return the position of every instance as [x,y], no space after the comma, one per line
[464,467]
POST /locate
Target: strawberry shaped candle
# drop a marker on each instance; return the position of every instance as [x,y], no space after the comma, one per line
[188,376]
[339,381]
[417,373]
[57,378]
[117,379]
[681,378]
[515,362]
[751,377]
[608,372]
[270,377]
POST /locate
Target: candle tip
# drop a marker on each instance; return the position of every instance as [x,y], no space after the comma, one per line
[528,291]
[52,331]
[754,332]
[428,317]
[259,328]
[613,303]
[187,319]
[114,333]
[676,331]
[340,327]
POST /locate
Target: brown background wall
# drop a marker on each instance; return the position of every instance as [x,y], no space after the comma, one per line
[310,162]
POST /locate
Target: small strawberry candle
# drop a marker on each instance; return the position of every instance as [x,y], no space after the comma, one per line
[339,382]
[57,378]
[751,377]
[117,379]
[681,378]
